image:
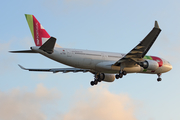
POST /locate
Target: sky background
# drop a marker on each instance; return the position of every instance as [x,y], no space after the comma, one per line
[103,25]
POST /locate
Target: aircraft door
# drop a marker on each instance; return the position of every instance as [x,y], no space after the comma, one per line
[69,54]
[104,56]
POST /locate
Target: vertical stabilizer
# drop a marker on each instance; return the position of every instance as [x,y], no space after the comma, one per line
[39,34]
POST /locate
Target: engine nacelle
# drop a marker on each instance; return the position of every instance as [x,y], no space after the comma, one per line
[149,65]
[107,77]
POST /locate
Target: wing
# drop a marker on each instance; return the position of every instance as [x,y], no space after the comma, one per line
[55,70]
[138,52]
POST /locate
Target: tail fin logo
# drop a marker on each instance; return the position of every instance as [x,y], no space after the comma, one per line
[39,34]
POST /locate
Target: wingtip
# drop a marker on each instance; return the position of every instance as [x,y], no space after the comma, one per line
[22,67]
[156,25]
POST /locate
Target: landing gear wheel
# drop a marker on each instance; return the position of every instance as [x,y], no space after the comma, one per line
[124,72]
[95,82]
[120,75]
[117,76]
[99,80]
[92,83]
[159,79]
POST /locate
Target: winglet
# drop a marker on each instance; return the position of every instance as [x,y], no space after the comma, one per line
[156,25]
[22,67]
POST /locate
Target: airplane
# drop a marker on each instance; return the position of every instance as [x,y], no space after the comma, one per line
[106,66]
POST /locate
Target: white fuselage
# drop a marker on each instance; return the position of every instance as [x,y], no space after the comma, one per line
[96,60]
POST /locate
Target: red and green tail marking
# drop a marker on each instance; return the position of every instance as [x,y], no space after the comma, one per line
[39,34]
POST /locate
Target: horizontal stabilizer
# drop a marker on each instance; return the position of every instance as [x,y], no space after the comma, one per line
[23,51]
[48,46]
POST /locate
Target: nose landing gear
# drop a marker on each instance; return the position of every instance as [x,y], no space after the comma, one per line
[159,79]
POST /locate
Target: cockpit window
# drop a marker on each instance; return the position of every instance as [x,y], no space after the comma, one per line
[166,62]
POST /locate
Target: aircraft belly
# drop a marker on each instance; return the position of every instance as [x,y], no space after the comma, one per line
[135,69]
[159,70]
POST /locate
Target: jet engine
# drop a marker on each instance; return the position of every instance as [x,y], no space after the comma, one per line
[106,77]
[149,65]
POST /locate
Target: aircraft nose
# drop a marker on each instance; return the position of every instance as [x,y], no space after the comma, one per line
[169,67]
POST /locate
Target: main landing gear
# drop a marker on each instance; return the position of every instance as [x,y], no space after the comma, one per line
[159,75]
[95,82]
[121,73]
[96,79]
